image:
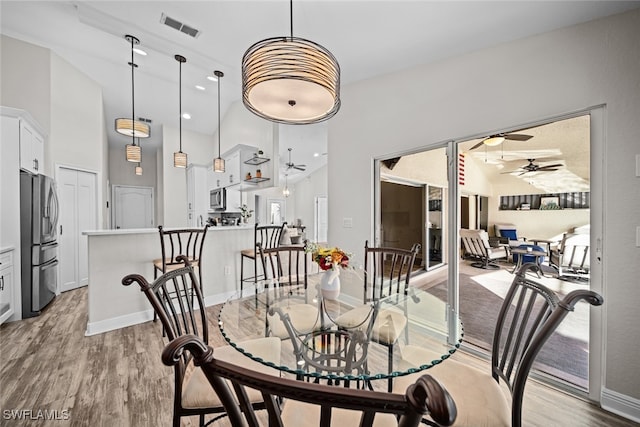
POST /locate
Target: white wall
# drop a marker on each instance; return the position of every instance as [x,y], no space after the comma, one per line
[548,75]
[305,192]
[25,79]
[200,150]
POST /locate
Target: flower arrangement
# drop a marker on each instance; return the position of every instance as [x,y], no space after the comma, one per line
[245,212]
[328,258]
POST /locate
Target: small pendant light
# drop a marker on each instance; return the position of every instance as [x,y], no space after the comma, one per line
[180,158]
[132,127]
[218,162]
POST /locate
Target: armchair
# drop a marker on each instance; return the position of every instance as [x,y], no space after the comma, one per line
[571,257]
[508,234]
[476,245]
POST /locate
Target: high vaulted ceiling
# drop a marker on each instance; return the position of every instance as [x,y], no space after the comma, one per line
[368,38]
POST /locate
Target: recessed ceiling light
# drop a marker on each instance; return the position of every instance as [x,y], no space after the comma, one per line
[212,78]
[186,116]
[199,87]
[316,154]
[139,51]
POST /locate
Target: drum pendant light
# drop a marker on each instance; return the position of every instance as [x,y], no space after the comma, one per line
[131,127]
[180,158]
[290,80]
[218,162]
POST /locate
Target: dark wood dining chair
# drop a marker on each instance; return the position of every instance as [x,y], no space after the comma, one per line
[285,271]
[530,313]
[296,403]
[387,271]
[185,241]
[177,300]
[268,237]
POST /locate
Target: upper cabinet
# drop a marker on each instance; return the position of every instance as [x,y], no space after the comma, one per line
[248,168]
[24,131]
[31,148]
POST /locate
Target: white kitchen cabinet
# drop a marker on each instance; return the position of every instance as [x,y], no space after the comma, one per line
[197,195]
[21,129]
[234,199]
[6,285]
[216,180]
[31,148]
[232,169]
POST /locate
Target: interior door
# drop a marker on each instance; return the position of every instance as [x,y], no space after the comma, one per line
[132,207]
[78,212]
[321,219]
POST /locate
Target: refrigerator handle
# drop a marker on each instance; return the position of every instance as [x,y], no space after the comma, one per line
[61,229]
[52,205]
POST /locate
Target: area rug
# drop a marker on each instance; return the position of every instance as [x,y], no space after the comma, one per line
[565,355]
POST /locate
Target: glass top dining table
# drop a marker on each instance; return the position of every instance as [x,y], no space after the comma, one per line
[314,346]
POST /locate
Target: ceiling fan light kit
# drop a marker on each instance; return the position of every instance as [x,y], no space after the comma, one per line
[492,141]
[131,127]
[290,80]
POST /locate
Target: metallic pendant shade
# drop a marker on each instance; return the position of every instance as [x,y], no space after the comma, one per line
[218,162]
[130,126]
[290,80]
[180,158]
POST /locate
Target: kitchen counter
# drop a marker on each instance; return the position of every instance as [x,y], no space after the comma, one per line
[113,254]
[114,232]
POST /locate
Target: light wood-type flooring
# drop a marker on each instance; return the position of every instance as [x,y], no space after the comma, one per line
[118,379]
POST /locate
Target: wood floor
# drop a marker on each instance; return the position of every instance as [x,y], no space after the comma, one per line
[117,378]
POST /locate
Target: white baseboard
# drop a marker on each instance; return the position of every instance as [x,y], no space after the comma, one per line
[620,404]
[95,328]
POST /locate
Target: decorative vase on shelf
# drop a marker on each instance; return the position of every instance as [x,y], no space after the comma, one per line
[330,284]
[245,219]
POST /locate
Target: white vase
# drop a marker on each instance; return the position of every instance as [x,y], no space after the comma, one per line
[330,284]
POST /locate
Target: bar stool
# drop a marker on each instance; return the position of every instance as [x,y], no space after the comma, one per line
[173,243]
[268,237]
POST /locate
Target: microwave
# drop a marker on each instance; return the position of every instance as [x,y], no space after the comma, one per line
[217,199]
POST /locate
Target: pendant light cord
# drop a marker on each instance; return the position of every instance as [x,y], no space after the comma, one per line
[219,130]
[291,17]
[133,98]
[180,102]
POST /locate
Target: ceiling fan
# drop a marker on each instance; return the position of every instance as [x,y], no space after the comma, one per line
[291,165]
[532,167]
[499,138]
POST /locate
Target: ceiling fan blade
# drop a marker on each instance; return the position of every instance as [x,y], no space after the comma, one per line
[517,170]
[557,165]
[518,136]
[477,145]
[546,169]
[299,168]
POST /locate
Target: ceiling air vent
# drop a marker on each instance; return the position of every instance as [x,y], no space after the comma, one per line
[145,120]
[177,25]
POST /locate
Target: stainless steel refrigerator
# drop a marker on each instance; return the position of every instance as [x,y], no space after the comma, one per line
[38,242]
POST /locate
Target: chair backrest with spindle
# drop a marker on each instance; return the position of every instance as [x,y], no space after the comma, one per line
[529,315]
[309,401]
[387,270]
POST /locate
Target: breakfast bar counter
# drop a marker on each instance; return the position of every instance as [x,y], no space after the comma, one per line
[115,253]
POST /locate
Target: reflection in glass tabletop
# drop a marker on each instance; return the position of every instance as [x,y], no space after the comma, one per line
[314,347]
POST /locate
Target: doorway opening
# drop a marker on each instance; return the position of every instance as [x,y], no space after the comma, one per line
[504,184]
